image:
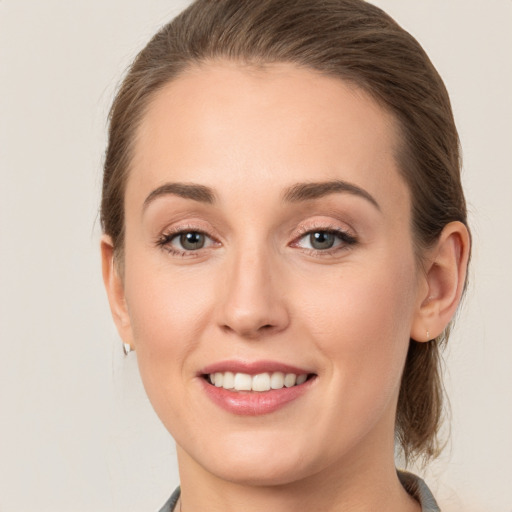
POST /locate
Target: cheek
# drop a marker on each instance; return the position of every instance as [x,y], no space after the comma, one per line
[167,312]
[361,321]
[166,308]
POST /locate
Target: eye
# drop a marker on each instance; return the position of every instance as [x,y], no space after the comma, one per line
[191,240]
[321,240]
[325,239]
[184,242]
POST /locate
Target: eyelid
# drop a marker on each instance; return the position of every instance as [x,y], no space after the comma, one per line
[346,237]
[168,235]
[328,226]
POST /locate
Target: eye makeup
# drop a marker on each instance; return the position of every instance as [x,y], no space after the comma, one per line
[186,241]
[319,239]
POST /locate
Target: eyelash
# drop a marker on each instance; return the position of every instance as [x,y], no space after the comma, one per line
[347,240]
[165,239]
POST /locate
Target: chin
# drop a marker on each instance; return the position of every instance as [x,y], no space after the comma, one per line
[256,462]
[259,473]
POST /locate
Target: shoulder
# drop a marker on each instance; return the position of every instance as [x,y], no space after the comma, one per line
[171,502]
[417,488]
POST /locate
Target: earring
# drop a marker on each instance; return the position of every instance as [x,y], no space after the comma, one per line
[428,335]
[127,348]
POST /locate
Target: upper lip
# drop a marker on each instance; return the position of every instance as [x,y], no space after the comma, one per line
[252,367]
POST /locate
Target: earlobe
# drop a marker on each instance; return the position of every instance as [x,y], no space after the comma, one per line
[114,287]
[445,277]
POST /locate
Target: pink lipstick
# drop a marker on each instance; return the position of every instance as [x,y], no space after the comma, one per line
[254,388]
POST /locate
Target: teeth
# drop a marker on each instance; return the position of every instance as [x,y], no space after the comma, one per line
[277,380]
[243,382]
[229,380]
[300,379]
[290,379]
[260,382]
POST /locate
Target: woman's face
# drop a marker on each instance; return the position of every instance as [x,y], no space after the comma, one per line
[268,233]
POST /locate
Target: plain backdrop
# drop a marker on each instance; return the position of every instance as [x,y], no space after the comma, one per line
[76,431]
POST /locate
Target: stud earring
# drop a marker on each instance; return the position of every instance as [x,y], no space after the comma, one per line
[428,335]
[127,348]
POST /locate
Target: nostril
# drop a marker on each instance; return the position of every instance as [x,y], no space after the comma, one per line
[250,331]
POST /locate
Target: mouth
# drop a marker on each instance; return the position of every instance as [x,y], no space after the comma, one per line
[252,389]
[260,383]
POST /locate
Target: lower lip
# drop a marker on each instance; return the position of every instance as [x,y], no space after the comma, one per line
[254,403]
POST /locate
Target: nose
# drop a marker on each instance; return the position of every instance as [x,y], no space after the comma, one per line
[253,301]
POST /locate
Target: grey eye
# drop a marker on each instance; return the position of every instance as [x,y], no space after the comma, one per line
[192,240]
[322,240]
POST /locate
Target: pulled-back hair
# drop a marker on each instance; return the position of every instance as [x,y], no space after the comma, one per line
[359,43]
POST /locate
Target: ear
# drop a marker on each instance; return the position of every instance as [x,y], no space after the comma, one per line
[114,286]
[444,279]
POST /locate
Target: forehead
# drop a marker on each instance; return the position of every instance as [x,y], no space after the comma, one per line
[261,128]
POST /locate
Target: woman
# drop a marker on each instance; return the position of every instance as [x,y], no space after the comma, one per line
[285,246]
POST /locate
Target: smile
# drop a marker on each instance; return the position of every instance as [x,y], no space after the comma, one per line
[261,382]
[256,388]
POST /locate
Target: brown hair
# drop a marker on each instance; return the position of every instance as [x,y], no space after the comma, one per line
[349,39]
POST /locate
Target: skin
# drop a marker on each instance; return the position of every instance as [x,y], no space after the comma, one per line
[258,290]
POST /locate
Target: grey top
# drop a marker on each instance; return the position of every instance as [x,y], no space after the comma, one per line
[171,502]
[418,489]
[413,484]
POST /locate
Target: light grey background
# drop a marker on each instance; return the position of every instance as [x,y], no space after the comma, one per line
[76,431]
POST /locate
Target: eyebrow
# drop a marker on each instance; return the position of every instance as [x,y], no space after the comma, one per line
[296,193]
[192,191]
[308,191]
